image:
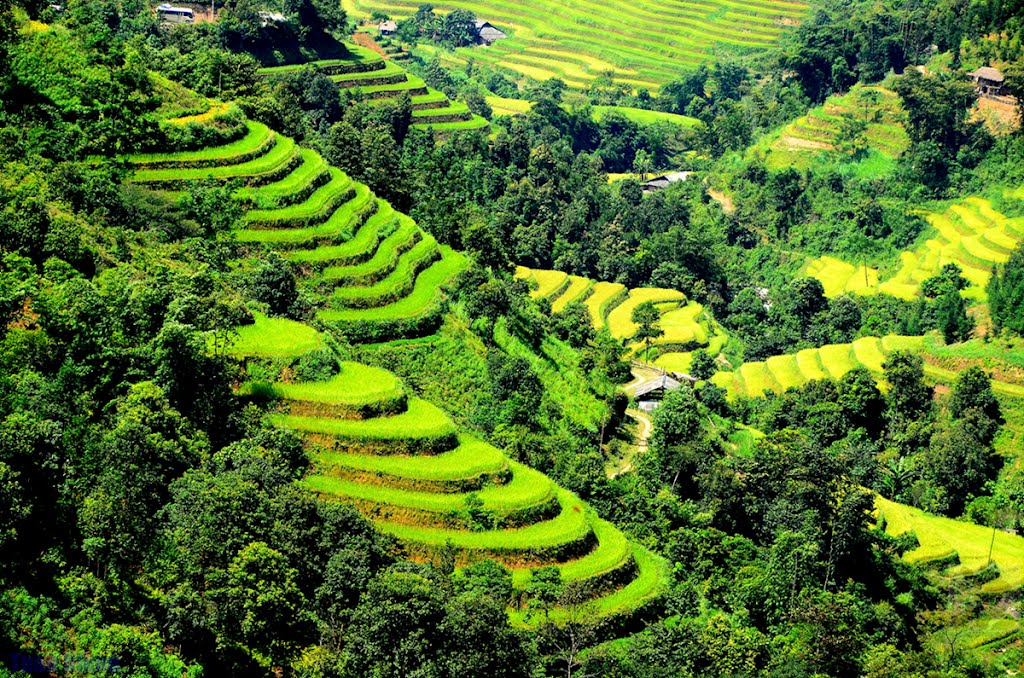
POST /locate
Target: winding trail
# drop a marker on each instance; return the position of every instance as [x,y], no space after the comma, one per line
[645,425]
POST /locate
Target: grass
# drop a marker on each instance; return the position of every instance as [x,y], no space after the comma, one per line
[355,385]
[257,137]
[275,338]
[941,536]
[570,525]
[425,292]
[471,458]
[420,420]
[526,489]
[555,368]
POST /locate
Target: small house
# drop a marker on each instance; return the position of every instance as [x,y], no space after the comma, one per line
[988,80]
[649,394]
[660,182]
[268,18]
[486,34]
[387,28]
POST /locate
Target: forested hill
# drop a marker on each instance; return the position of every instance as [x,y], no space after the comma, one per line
[312,364]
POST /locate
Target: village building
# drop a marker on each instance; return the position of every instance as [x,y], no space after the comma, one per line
[486,34]
[660,182]
[988,80]
[387,28]
[649,394]
[268,18]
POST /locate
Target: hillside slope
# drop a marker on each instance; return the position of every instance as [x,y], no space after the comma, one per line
[644,46]
[399,459]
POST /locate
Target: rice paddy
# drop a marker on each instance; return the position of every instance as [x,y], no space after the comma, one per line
[593,38]
[471,458]
[819,131]
[420,420]
[832,361]
[397,458]
[611,305]
[275,338]
[941,538]
[355,385]
[970,233]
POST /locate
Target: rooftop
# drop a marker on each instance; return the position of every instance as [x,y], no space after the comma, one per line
[665,382]
[988,73]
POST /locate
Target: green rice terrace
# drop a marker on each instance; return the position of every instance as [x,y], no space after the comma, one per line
[686,324]
[970,233]
[989,562]
[366,74]
[820,130]
[580,41]
[396,457]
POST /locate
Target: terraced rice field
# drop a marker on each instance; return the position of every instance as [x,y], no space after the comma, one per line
[611,305]
[970,233]
[582,40]
[832,361]
[817,131]
[397,458]
[504,106]
[364,73]
[941,538]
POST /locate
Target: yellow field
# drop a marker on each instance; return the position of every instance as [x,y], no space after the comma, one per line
[970,233]
[940,537]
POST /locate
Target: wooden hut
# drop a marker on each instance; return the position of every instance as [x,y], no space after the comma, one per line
[387,28]
[487,34]
[649,394]
[660,182]
[988,80]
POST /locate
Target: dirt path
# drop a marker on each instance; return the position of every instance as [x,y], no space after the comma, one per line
[644,429]
[722,199]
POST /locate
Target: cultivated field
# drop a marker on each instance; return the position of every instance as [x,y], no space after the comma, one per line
[375,275]
[970,233]
[643,46]
[818,131]
[686,324]
[364,73]
[779,373]
[967,544]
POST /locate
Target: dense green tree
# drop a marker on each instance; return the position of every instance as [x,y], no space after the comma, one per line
[274,285]
[647,318]
[702,365]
